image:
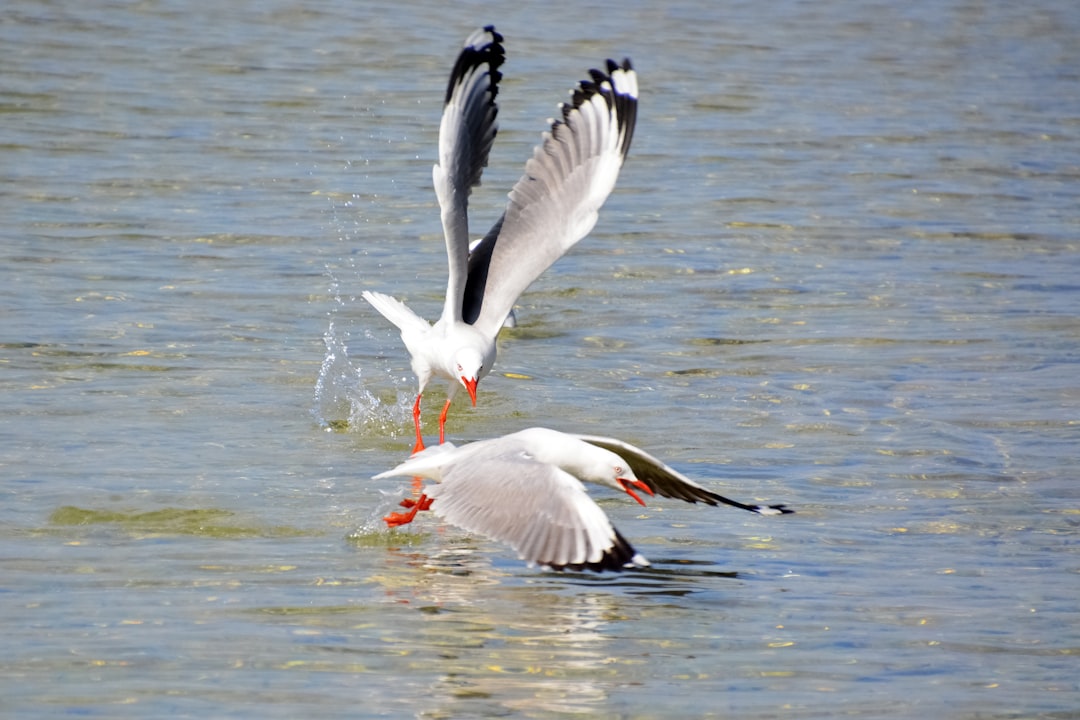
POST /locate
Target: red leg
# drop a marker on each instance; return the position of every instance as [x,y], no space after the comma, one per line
[418,483]
[396,519]
[416,420]
[442,421]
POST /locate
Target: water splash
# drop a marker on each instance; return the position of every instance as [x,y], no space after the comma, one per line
[347,398]
[343,400]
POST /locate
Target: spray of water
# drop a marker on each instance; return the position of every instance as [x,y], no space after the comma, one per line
[363,396]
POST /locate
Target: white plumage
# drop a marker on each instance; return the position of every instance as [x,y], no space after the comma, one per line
[554,204]
[525,489]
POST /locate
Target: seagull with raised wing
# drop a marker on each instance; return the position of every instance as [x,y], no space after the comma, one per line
[525,489]
[553,206]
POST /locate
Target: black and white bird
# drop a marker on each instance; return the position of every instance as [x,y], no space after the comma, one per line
[553,206]
[524,489]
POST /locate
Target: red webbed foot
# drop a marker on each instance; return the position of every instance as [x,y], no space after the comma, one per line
[397,519]
[424,503]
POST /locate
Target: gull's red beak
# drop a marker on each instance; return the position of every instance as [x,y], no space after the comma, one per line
[470,385]
[639,485]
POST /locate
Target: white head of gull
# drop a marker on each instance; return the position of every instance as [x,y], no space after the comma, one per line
[524,489]
[553,206]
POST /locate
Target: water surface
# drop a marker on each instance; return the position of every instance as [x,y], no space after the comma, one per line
[839,272]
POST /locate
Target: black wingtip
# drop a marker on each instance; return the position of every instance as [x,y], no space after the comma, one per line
[711,498]
[773,510]
[601,82]
[490,53]
[619,557]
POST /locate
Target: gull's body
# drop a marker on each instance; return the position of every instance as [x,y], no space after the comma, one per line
[525,489]
[554,204]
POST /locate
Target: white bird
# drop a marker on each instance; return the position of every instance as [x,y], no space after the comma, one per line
[524,489]
[554,204]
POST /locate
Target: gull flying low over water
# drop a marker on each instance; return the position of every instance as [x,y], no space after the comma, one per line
[525,490]
[553,205]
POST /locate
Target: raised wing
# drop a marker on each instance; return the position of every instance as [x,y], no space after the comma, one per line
[670,483]
[539,510]
[466,134]
[557,201]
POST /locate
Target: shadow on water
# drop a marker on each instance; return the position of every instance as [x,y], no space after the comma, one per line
[471,557]
[665,577]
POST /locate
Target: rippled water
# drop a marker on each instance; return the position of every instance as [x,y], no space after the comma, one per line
[839,272]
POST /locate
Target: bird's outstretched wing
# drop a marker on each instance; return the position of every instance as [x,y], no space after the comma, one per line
[557,200]
[670,483]
[544,513]
[466,134]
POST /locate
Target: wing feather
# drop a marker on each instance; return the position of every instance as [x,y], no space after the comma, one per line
[466,134]
[542,512]
[558,199]
[670,483]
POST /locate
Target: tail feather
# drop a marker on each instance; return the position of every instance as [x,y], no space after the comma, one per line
[425,463]
[396,312]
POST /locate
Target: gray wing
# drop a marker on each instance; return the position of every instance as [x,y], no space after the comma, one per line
[466,134]
[668,482]
[557,201]
[539,510]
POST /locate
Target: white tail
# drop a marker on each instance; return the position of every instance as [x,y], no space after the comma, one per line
[396,312]
[425,463]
